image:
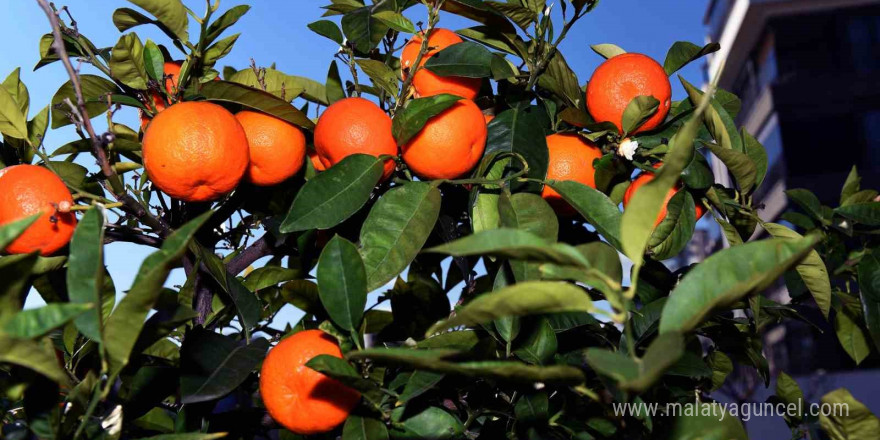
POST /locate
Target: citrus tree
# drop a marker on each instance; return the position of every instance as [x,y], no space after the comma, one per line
[472,165]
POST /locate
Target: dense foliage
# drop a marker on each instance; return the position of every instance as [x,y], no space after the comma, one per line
[548,332]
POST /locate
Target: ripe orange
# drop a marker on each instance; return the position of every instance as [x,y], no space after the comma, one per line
[277,148]
[647,176]
[172,71]
[449,145]
[299,398]
[571,158]
[26,190]
[428,83]
[354,125]
[620,79]
[316,161]
[195,151]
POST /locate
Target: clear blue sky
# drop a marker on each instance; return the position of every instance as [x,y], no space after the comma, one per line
[275,31]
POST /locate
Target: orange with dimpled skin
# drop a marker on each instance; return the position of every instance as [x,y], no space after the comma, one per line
[299,398]
[450,144]
[620,79]
[351,126]
[647,176]
[571,158]
[195,151]
[428,83]
[277,148]
[26,190]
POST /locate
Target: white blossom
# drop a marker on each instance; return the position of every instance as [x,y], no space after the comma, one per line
[627,148]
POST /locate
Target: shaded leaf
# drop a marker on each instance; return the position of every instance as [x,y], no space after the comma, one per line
[85,271]
[410,121]
[342,283]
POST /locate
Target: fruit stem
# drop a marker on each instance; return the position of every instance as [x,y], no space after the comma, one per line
[433,18]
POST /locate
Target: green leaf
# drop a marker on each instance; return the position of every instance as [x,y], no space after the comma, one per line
[212,365]
[852,338]
[491,37]
[467,59]
[538,346]
[85,271]
[334,85]
[226,20]
[523,17]
[637,222]
[342,283]
[286,87]
[432,423]
[638,374]
[851,186]
[519,131]
[154,61]
[38,356]
[521,299]
[682,53]
[125,323]
[363,428]
[561,80]
[93,88]
[362,30]
[127,62]
[607,50]
[789,392]
[869,292]
[187,436]
[432,360]
[12,121]
[858,422]
[395,21]
[265,102]
[36,323]
[268,276]
[867,214]
[171,13]
[757,154]
[329,29]
[342,371]
[727,276]
[595,207]
[740,165]
[382,75]
[673,233]
[638,111]
[334,195]
[706,421]
[397,227]
[721,366]
[532,407]
[18,90]
[512,243]
[529,212]
[807,201]
[10,231]
[219,50]
[419,383]
[15,271]
[410,121]
[812,269]
[716,118]
[247,305]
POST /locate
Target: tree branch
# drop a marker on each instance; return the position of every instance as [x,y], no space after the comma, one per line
[265,245]
[116,188]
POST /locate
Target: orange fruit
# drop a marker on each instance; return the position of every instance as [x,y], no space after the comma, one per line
[277,148]
[299,398]
[571,158]
[647,176]
[620,79]
[354,125]
[428,83]
[26,190]
[172,71]
[316,161]
[450,144]
[195,151]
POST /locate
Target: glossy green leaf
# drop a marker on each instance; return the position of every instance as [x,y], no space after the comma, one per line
[342,283]
[812,269]
[867,214]
[789,392]
[334,86]
[519,131]
[522,16]
[740,165]
[595,207]
[869,292]
[638,111]
[342,371]
[521,299]
[706,421]
[682,53]
[93,87]
[127,62]
[10,231]
[465,59]
[410,121]
[717,120]
[397,227]
[219,49]
[154,61]
[362,30]
[419,383]
[229,18]
[213,365]
[171,13]
[673,233]
[363,428]
[638,374]
[851,336]
[431,423]
[529,212]
[265,102]
[13,122]
[334,195]
[187,436]
[807,201]
[511,243]
[382,76]
[15,271]
[85,271]
[124,324]
[35,323]
[281,85]
[395,21]
[38,356]
[727,276]
[539,345]
[18,90]
[757,154]
[851,186]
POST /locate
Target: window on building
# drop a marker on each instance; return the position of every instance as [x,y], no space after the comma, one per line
[717,16]
[863,39]
[771,138]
